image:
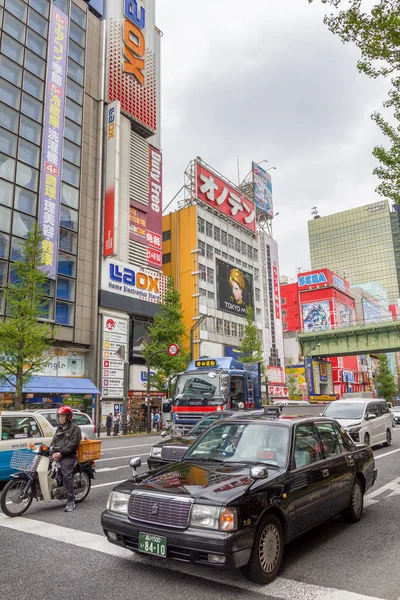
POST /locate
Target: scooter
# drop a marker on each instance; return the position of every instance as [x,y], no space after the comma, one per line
[42,480]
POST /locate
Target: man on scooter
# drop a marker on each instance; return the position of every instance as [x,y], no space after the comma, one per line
[66,441]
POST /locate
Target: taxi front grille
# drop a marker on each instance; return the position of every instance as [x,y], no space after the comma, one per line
[173,452]
[159,510]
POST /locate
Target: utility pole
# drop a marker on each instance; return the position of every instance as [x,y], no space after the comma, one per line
[307,375]
[122,354]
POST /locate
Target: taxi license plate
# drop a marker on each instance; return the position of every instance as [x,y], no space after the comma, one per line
[153,544]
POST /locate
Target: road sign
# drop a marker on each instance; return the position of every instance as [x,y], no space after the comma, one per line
[173,349]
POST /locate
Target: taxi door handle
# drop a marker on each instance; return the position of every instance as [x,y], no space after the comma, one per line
[325,472]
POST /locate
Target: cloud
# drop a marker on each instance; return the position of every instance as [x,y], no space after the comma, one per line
[266,80]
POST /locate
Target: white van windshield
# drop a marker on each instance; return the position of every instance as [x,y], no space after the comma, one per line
[344,410]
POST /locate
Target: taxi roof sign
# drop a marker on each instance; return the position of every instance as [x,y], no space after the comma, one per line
[205,362]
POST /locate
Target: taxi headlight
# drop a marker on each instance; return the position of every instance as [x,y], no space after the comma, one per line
[219,518]
[156,452]
[118,502]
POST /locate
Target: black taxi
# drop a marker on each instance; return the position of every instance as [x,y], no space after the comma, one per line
[243,490]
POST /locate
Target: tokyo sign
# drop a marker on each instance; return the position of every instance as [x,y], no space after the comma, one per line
[226,198]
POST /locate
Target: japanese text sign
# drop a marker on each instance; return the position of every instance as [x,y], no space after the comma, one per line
[215,192]
[53,131]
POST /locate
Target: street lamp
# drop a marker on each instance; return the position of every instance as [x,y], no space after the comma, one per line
[306,355]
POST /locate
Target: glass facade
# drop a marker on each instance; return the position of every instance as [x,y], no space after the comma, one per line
[23,50]
[359,245]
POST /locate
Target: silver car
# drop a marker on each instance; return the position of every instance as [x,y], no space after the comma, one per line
[85,423]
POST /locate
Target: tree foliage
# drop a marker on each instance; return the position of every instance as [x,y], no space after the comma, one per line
[23,339]
[376,33]
[292,382]
[251,349]
[168,328]
[385,382]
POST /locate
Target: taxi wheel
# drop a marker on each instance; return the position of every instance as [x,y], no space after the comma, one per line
[267,553]
[388,438]
[354,511]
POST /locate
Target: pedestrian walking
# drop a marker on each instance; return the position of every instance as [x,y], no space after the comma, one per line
[116,422]
[156,421]
[109,423]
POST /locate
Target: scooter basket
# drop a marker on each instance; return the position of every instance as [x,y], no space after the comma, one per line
[22,460]
[89,450]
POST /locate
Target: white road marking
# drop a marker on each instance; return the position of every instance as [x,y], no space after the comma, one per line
[115,458]
[285,589]
[108,483]
[387,453]
[106,449]
[393,486]
[108,469]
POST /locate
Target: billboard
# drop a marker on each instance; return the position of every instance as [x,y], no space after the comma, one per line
[115,335]
[133,59]
[142,284]
[111,197]
[345,315]
[322,278]
[53,132]
[371,311]
[234,289]
[262,187]
[316,316]
[225,197]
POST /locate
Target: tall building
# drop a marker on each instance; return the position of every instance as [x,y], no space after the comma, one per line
[222,262]
[362,245]
[80,153]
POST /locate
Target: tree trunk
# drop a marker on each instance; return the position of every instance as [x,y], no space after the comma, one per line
[18,389]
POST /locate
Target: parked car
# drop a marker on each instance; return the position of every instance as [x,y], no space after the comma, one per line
[243,490]
[395,410]
[366,420]
[172,449]
[17,430]
[285,402]
[85,423]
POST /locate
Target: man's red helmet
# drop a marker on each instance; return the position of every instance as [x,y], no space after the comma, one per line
[67,411]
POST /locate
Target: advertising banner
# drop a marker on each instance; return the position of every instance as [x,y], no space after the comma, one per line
[316,316]
[112,366]
[133,59]
[53,132]
[275,374]
[345,315]
[234,289]
[372,312]
[322,278]
[226,198]
[262,185]
[143,284]
[154,217]
[111,198]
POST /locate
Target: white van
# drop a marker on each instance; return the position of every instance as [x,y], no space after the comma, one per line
[17,430]
[366,420]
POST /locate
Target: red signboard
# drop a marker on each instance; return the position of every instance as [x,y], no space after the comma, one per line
[226,198]
[276,291]
[111,190]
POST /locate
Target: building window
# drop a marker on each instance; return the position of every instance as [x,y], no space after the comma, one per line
[231,241]
[210,275]
[220,325]
[284,325]
[200,225]
[202,293]
[250,252]
[202,272]
[211,296]
[234,329]
[217,234]
[217,251]
[283,300]
[65,313]
[258,312]
[166,235]
[211,324]
[224,255]
[209,229]
[237,245]
[65,289]
[166,258]
[258,295]
[210,252]
[227,328]
[256,274]
[202,248]
[240,330]
[244,248]
[255,255]
[231,258]
[283,313]
[224,238]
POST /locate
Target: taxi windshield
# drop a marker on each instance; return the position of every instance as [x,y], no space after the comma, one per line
[205,423]
[265,443]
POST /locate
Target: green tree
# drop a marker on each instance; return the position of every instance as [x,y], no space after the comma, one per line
[384,380]
[23,339]
[251,349]
[291,380]
[167,328]
[376,33]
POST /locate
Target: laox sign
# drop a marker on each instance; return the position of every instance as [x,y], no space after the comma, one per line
[134,40]
[140,280]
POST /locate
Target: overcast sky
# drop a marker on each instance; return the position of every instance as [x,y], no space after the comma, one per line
[265,79]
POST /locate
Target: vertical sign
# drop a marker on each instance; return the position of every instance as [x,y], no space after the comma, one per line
[262,187]
[276,291]
[53,131]
[154,217]
[112,176]
[115,335]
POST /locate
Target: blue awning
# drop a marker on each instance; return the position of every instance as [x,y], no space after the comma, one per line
[54,385]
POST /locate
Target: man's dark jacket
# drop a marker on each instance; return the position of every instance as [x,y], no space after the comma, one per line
[67,439]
